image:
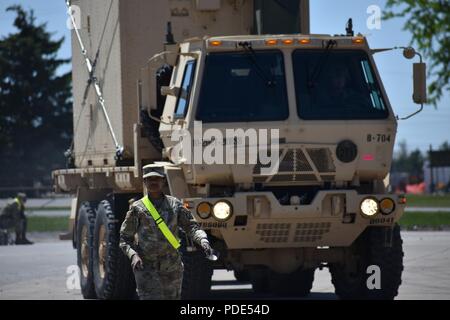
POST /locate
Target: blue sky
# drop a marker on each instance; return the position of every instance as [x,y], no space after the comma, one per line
[432,126]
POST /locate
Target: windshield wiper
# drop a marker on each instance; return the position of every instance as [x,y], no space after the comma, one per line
[321,63]
[269,81]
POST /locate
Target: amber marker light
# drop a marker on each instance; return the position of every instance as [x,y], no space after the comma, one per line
[204,210]
[402,199]
[387,206]
[271,42]
[187,204]
[215,43]
[358,40]
[288,41]
[304,41]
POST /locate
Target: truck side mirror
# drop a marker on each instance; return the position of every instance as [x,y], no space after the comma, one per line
[170,91]
[419,79]
[419,76]
[170,57]
[420,82]
[147,96]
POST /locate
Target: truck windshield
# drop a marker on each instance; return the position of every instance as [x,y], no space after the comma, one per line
[243,87]
[338,85]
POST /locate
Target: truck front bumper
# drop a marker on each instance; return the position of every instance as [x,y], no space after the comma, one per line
[259,221]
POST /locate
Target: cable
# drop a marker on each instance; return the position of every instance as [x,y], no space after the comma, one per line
[93,79]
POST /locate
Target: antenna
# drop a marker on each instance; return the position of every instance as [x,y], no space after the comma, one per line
[349,28]
[169,34]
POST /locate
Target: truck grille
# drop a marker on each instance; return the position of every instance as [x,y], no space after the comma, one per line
[311,232]
[299,164]
[273,232]
[293,177]
[322,159]
[304,232]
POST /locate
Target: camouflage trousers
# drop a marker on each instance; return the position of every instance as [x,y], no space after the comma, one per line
[19,224]
[160,280]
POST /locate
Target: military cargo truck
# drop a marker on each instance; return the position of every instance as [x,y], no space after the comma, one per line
[161,72]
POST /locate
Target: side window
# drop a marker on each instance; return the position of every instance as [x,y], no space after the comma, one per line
[374,91]
[185,90]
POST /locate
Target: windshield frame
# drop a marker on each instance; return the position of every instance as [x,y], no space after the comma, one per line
[244,54]
[374,74]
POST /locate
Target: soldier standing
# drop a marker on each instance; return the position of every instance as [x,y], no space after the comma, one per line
[147,237]
[13,216]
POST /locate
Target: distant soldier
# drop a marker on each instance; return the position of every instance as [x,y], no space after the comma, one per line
[148,238]
[13,216]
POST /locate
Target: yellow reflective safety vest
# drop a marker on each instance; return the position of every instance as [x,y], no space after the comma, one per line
[21,206]
[160,223]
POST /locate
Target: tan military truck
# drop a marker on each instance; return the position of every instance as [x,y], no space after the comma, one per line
[241,69]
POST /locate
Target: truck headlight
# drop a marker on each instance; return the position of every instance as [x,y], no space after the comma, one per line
[222,210]
[369,207]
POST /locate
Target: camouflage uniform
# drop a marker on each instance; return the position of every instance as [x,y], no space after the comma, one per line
[13,216]
[162,272]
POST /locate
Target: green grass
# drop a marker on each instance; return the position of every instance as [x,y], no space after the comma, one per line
[434,220]
[425,219]
[46,224]
[30,209]
[413,200]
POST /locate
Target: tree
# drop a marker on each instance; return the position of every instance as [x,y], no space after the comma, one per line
[445,146]
[429,24]
[35,103]
[409,162]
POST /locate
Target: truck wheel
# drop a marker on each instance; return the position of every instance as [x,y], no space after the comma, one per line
[84,234]
[259,278]
[298,283]
[371,249]
[304,281]
[113,276]
[196,276]
[242,275]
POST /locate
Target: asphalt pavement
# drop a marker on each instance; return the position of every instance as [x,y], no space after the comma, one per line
[46,270]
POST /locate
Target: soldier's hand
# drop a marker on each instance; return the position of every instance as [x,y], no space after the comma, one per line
[136,263]
[206,247]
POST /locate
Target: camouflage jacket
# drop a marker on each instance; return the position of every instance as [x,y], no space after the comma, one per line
[140,234]
[14,210]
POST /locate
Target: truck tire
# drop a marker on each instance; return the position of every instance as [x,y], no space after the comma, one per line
[113,276]
[261,285]
[85,238]
[304,280]
[296,284]
[371,249]
[196,276]
[259,278]
[242,275]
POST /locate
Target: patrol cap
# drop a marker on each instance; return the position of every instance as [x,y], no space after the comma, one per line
[21,195]
[152,170]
